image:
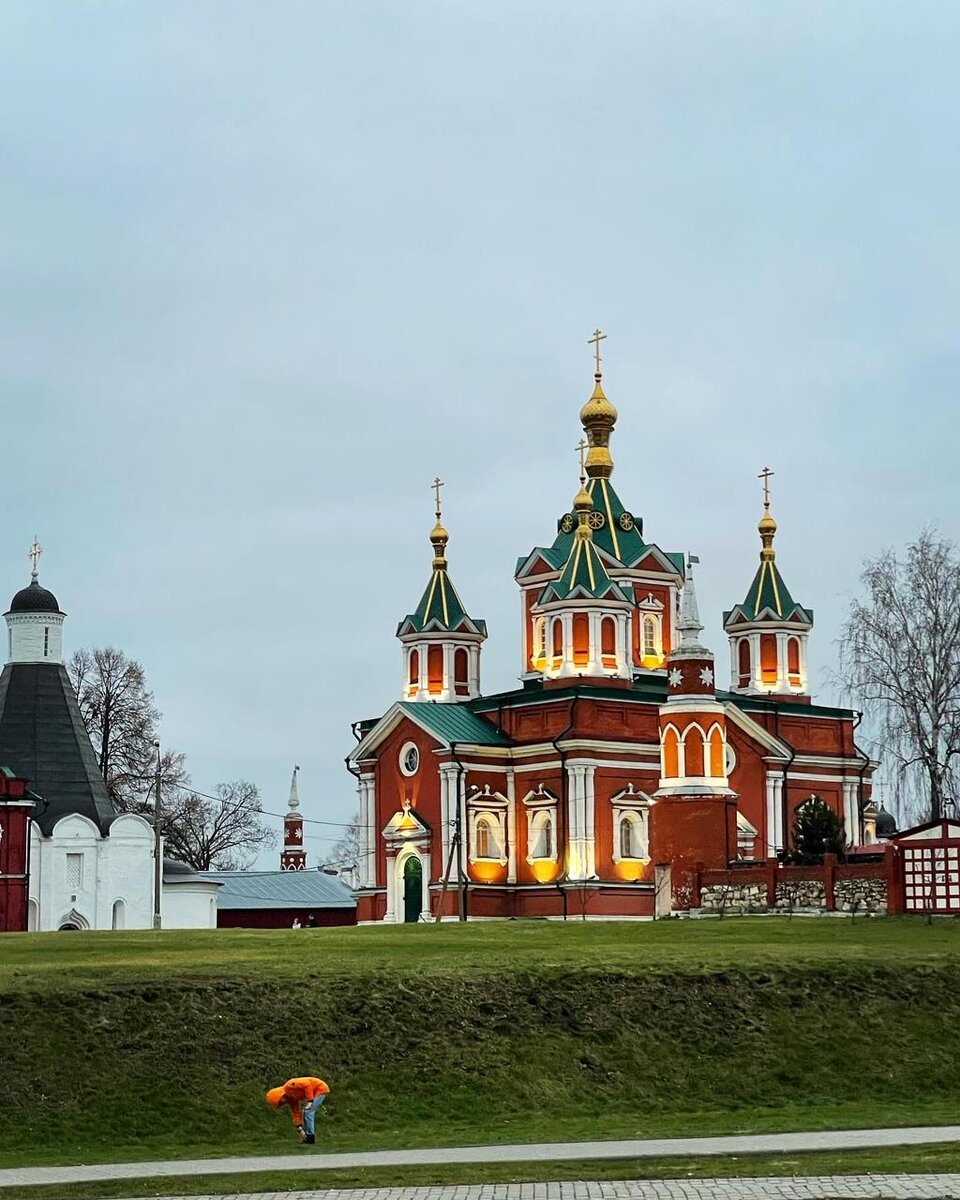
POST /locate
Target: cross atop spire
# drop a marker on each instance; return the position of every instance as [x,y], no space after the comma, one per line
[437,485]
[766,475]
[582,447]
[35,551]
[595,341]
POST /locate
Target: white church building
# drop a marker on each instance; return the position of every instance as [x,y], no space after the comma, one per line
[89,866]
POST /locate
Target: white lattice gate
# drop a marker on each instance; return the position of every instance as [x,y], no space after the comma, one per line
[931,867]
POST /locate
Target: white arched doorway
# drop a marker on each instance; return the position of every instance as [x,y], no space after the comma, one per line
[411,882]
[73,921]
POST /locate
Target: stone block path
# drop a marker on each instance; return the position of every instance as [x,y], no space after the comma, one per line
[828,1187]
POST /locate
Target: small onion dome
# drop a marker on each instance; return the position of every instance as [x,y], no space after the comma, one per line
[598,410]
[767,528]
[582,501]
[34,599]
[439,538]
[886,824]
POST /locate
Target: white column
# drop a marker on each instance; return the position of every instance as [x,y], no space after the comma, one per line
[576,820]
[566,667]
[425,886]
[590,828]
[391,913]
[771,817]
[422,690]
[511,826]
[783,680]
[755,673]
[448,808]
[594,653]
[851,815]
[781,834]
[474,680]
[804,685]
[734,664]
[367,866]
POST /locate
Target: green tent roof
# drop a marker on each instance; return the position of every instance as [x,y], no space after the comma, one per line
[454,723]
[583,574]
[768,594]
[440,608]
[625,544]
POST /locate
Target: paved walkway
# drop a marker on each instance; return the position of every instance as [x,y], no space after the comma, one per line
[827,1187]
[307,1160]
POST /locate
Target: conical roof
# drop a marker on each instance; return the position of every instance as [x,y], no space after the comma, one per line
[768,598]
[440,607]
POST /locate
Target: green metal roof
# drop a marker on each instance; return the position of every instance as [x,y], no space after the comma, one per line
[768,594]
[584,574]
[454,723]
[440,607]
[626,545]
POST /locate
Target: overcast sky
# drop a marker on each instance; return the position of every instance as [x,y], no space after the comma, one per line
[267,268]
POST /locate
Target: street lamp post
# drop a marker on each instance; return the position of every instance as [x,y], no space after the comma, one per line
[157,847]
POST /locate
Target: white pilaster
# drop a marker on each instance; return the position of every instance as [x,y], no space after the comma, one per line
[511,826]
[851,814]
[771,817]
[425,886]
[391,913]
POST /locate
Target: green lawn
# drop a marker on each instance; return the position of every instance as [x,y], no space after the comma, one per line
[157,1045]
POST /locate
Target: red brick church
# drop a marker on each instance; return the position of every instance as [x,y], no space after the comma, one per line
[617,767]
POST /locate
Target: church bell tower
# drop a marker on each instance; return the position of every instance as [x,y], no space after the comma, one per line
[293,857]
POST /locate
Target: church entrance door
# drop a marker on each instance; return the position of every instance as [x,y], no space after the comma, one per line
[412,889]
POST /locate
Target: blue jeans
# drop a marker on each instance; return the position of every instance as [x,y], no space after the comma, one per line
[310,1113]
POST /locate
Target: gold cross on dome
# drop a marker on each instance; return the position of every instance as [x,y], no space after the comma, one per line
[437,485]
[595,341]
[766,474]
[35,551]
[580,447]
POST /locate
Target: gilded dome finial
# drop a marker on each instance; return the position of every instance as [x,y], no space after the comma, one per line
[438,535]
[598,417]
[767,526]
[582,502]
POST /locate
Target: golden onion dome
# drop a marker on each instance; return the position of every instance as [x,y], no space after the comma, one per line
[582,501]
[767,528]
[598,410]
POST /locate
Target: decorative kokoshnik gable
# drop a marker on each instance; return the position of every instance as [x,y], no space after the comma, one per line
[616,771]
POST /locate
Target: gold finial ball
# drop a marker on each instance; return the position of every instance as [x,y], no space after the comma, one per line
[767,526]
[598,411]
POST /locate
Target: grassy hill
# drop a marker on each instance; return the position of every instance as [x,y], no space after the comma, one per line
[137,1045]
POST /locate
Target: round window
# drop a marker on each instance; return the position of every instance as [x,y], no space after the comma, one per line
[731,759]
[409,759]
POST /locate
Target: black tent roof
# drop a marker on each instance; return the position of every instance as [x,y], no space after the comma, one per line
[43,739]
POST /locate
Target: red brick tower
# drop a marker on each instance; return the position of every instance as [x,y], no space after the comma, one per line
[693,819]
[293,856]
[15,808]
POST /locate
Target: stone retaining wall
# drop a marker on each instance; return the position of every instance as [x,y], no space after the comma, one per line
[860,895]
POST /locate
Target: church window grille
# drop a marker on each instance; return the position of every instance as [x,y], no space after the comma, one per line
[46,641]
[651,640]
[74,872]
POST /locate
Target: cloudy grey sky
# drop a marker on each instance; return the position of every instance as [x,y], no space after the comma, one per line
[266,269]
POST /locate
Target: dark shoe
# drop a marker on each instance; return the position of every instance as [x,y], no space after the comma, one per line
[310,1139]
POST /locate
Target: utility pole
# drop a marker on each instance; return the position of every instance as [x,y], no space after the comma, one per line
[157,846]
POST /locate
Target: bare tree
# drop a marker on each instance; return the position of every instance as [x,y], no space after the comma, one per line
[900,651]
[121,718]
[346,853]
[224,834]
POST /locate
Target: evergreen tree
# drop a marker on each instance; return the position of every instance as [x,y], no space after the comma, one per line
[817,830]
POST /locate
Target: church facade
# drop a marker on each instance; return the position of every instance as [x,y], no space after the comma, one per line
[68,859]
[617,768]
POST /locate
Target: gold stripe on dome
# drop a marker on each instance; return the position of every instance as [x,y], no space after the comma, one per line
[611,524]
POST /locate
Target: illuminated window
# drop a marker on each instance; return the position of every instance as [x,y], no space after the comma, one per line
[768,658]
[743,661]
[435,669]
[671,754]
[414,674]
[651,640]
[581,639]
[793,660]
[608,641]
[557,638]
[486,841]
[628,838]
[539,641]
[542,840]
[717,754]
[693,747]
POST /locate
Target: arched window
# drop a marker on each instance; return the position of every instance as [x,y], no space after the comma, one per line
[768,658]
[119,915]
[581,639]
[539,641]
[608,641]
[461,668]
[717,755]
[793,660]
[413,676]
[651,648]
[485,840]
[557,640]
[671,754]
[693,747]
[542,840]
[435,669]
[743,661]
[628,838]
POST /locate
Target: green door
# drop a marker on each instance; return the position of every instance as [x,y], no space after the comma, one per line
[412,888]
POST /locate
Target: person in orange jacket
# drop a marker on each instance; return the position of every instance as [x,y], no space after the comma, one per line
[303,1096]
